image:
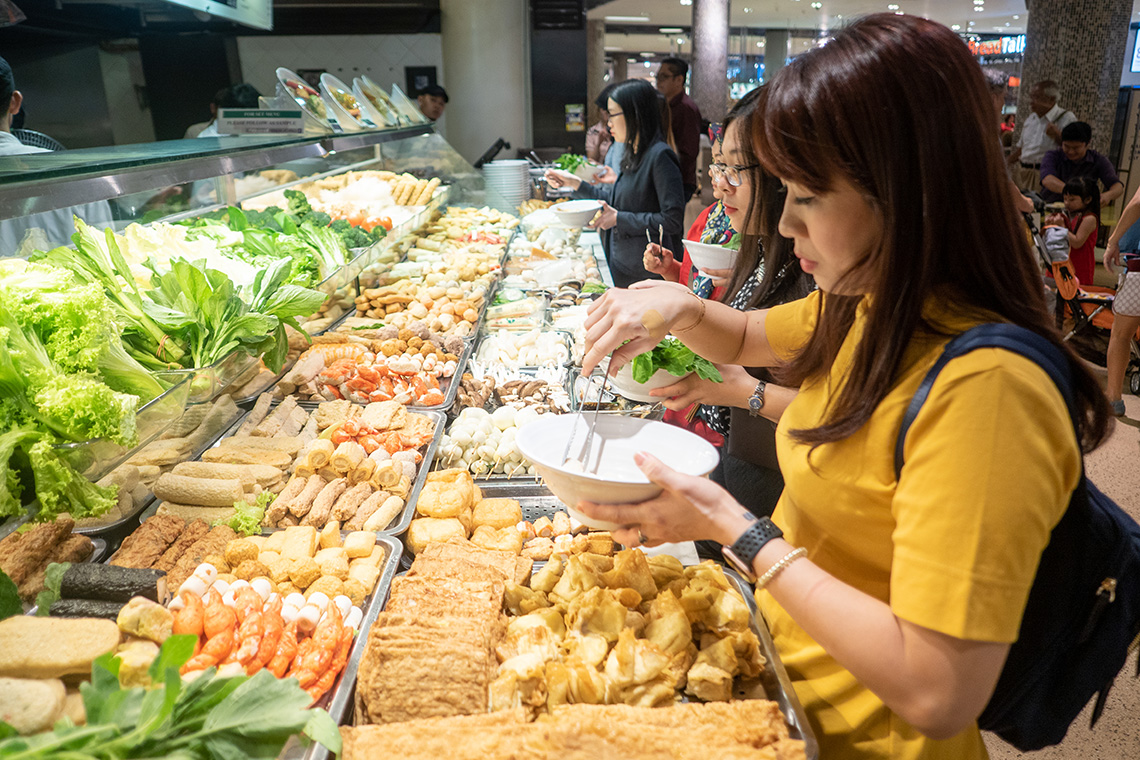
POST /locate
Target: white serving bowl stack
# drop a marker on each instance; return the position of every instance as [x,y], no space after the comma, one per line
[618,479]
[509,179]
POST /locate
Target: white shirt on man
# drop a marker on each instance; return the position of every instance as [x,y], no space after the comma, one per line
[54,227]
[1035,143]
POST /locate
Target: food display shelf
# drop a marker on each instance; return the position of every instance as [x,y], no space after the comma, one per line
[98,457]
[207,383]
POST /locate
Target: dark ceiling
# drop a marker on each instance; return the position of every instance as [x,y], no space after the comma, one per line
[62,20]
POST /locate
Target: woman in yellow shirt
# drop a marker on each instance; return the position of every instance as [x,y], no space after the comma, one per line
[896,625]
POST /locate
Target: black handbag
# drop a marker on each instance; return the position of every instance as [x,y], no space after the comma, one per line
[1082,619]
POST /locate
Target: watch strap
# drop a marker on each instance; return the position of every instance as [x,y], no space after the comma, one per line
[744,550]
[757,396]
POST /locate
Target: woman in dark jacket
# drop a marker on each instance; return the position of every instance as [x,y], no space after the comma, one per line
[648,193]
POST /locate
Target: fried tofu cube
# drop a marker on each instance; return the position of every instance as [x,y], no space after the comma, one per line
[497,513]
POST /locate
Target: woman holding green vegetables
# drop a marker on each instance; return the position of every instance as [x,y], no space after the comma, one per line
[766,274]
[648,193]
[892,598]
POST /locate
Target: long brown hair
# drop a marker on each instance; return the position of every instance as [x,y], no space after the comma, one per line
[896,105]
[783,279]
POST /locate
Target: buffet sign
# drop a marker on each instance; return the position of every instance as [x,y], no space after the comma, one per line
[241,121]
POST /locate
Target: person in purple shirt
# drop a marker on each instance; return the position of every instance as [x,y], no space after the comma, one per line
[686,119]
[1075,159]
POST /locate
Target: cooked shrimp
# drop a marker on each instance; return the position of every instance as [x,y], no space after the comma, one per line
[273,627]
[286,651]
[322,649]
[328,678]
[218,623]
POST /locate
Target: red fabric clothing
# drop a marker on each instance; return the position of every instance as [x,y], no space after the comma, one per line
[686,119]
[694,234]
[1084,258]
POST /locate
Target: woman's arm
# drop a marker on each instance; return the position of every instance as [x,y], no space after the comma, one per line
[1086,228]
[626,323]
[665,182]
[1128,217]
[937,683]
[735,390]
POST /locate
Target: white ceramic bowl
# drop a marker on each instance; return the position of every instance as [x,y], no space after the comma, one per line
[623,384]
[576,213]
[616,439]
[706,256]
[587,171]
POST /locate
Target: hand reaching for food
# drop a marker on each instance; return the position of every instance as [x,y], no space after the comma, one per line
[557,178]
[734,389]
[641,315]
[604,219]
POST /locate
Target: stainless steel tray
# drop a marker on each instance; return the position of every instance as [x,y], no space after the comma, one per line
[340,698]
[567,339]
[449,385]
[149,502]
[774,677]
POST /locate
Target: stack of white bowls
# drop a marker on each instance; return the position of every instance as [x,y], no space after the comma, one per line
[508,183]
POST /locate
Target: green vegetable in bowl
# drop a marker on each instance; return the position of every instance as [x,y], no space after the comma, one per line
[677,359]
[569,162]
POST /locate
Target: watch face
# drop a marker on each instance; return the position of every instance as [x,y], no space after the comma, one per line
[754,403]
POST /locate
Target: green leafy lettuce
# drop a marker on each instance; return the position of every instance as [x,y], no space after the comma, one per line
[53,580]
[248,517]
[9,598]
[677,359]
[569,162]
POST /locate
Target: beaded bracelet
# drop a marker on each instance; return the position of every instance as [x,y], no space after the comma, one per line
[777,568]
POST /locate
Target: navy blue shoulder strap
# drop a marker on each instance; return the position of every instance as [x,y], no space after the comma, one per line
[997,335]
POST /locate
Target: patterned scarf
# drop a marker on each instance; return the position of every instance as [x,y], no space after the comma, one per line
[717,231]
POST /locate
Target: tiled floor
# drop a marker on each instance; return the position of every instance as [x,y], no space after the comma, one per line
[1115,468]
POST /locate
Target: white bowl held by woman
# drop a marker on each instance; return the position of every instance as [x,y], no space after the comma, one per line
[705,256]
[576,213]
[623,384]
[618,479]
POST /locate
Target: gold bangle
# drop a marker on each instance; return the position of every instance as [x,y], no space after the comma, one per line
[700,317]
[778,568]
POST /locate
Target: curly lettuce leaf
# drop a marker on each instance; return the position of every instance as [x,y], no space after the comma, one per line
[677,359]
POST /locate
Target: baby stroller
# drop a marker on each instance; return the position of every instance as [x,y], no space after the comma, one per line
[1086,308]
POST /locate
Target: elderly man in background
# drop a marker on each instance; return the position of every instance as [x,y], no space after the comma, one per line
[1075,159]
[1040,134]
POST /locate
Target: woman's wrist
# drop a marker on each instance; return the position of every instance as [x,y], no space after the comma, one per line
[692,313]
[732,521]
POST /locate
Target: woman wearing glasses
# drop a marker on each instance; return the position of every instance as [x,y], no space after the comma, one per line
[647,194]
[745,407]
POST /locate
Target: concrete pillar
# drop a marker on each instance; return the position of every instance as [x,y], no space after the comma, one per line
[708,79]
[595,66]
[775,51]
[621,67]
[487,61]
[1080,45]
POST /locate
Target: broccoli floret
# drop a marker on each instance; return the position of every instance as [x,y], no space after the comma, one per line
[298,203]
[317,219]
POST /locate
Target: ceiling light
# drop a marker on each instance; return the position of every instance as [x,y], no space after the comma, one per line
[647,64]
[670,30]
[680,40]
[971,23]
[630,19]
[612,48]
[646,55]
[686,2]
[760,44]
[892,7]
[747,10]
[817,6]
[955,27]
[631,60]
[978,9]
[1016,17]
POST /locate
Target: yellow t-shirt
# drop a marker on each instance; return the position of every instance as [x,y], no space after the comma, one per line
[953,545]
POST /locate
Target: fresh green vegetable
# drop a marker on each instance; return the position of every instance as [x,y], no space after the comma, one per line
[248,517]
[209,718]
[569,162]
[594,287]
[677,359]
[9,598]
[53,577]
[733,242]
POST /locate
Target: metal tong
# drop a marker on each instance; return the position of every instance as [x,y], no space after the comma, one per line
[584,457]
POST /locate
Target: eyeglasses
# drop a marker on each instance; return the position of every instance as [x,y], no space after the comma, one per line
[615,113]
[731,174]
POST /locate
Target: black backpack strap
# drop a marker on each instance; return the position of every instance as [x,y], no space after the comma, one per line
[996,335]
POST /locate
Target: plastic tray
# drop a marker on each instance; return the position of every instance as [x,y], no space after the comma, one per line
[98,457]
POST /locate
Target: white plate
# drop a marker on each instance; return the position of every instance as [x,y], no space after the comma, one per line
[330,86]
[375,110]
[285,77]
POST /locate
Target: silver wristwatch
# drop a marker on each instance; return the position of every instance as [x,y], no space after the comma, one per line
[756,400]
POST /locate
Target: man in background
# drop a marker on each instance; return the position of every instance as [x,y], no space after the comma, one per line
[1040,134]
[48,229]
[432,100]
[240,95]
[196,129]
[686,119]
[1075,159]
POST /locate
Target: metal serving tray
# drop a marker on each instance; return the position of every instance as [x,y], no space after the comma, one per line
[340,697]
[567,339]
[448,385]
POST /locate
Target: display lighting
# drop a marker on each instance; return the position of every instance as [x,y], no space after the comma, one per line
[680,40]
[956,27]
[626,19]
[978,8]
[670,30]
[817,6]
[648,64]
[1015,17]
[760,44]
[892,7]
[646,55]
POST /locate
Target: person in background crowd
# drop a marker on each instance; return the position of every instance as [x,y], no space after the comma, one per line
[598,137]
[432,100]
[686,119]
[647,194]
[1075,159]
[1124,240]
[48,229]
[1040,134]
[892,599]
[240,95]
[1082,201]
[997,84]
[194,130]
